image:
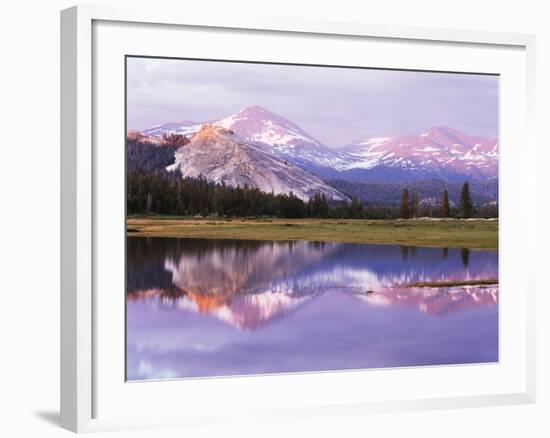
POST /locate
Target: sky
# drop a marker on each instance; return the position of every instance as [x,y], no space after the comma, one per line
[335,105]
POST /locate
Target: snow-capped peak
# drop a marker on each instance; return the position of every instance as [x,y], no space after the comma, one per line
[257,124]
[439,149]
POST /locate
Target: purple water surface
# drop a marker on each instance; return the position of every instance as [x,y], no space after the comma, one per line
[198,307]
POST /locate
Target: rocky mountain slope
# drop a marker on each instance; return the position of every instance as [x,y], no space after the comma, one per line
[221,156]
[279,135]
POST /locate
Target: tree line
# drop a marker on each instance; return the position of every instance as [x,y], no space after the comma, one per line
[166,193]
[169,194]
[150,157]
[410,206]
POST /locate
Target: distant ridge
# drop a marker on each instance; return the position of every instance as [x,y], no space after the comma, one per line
[441,152]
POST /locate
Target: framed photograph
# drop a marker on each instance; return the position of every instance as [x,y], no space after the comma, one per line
[281,218]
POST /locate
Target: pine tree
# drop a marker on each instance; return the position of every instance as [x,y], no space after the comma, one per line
[445,209]
[318,205]
[466,201]
[414,205]
[324,207]
[356,209]
[177,140]
[404,210]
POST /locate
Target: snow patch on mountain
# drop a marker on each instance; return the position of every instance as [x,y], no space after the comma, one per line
[439,149]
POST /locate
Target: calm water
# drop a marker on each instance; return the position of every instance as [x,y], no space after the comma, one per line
[198,307]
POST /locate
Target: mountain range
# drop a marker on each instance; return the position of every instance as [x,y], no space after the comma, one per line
[429,191]
[440,152]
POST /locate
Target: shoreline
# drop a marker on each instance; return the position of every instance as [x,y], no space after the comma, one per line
[453,283]
[472,234]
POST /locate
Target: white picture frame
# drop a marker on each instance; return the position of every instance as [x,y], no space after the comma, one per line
[79,221]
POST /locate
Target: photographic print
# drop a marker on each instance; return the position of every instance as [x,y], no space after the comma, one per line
[303,218]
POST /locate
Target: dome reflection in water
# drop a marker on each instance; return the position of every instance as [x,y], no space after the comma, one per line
[200,307]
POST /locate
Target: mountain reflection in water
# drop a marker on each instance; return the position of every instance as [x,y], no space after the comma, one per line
[181,290]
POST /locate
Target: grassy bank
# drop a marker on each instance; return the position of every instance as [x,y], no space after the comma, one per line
[474,234]
[482,282]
